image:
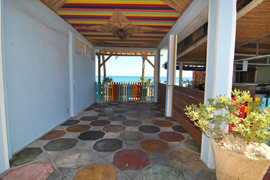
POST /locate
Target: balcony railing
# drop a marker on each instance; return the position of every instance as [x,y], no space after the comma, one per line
[117,91]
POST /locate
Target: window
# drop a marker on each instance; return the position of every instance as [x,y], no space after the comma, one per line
[83,49]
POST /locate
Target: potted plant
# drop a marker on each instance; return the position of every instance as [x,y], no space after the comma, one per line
[243,153]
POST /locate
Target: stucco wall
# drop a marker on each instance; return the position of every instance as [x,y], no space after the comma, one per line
[36,55]
[83,73]
[2,155]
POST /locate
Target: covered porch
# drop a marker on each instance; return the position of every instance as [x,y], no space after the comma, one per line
[53,114]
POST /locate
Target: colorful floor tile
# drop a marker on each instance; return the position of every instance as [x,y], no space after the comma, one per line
[74,158]
[179,129]
[89,118]
[70,122]
[130,159]
[186,160]
[133,145]
[157,115]
[33,171]
[155,109]
[131,123]
[171,136]
[105,114]
[192,145]
[54,134]
[161,172]
[100,123]
[114,128]
[160,123]
[118,118]
[172,119]
[97,172]
[60,144]
[154,146]
[120,111]
[108,145]
[91,135]
[149,129]
[25,156]
[131,136]
[132,114]
[78,128]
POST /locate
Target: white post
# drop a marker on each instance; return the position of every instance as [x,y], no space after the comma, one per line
[220,56]
[171,65]
[4,153]
[157,74]
[180,73]
[71,80]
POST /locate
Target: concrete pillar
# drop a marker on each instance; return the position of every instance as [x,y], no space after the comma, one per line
[71,77]
[4,150]
[180,73]
[220,56]
[171,67]
[157,74]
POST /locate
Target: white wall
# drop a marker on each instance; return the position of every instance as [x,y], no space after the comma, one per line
[36,56]
[84,76]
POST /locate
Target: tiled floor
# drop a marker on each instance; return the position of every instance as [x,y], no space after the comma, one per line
[113,140]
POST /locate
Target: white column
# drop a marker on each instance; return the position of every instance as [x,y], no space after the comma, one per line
[171,66]
[180,73]
[71,80]
[157,74]
[220,56]
[4,150]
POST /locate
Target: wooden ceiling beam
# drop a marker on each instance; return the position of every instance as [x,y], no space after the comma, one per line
[107,59]
[146,58]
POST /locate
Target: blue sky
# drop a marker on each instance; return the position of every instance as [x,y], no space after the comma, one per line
[132,66]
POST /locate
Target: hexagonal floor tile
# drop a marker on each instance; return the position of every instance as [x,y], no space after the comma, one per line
[31,171]
[179,129]
[54,134]
[91,135]
[163,123]
[78,128]
[149,129]
[171,136]
[89,118]
[70,122]
[74,158]
[131,123]
[118,118]
[100,123]
[104,114]
[120,111]
[130,159]
[114,128]
[97,172]
[154,146]
[192,145]
[60,144]
[155,109]
[25,156]
[171,119]
[131,136]
[162,172]
[185,160]
[122,107]
[157,115]
[108,145]
[131,114]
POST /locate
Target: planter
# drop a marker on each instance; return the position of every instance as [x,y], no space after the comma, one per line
[232,166]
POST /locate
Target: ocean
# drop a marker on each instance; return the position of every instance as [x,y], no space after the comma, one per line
[137,78]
